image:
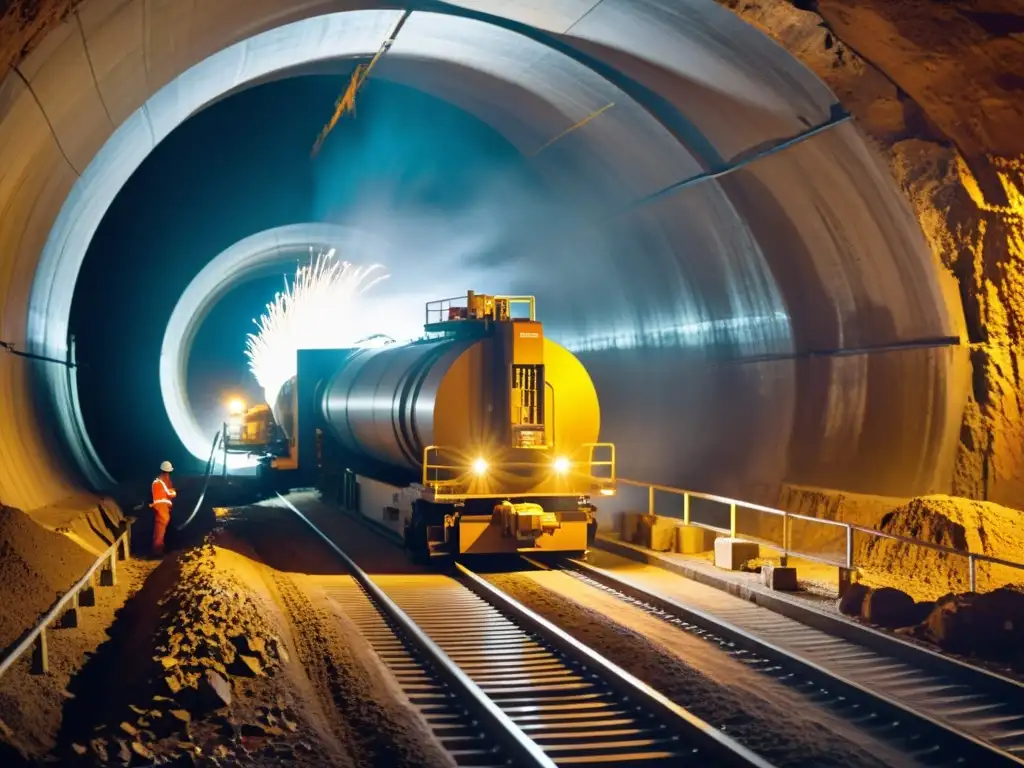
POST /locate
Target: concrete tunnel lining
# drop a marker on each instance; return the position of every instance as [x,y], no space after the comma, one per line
[80,86]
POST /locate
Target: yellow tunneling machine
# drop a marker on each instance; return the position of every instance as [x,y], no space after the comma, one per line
[480,438]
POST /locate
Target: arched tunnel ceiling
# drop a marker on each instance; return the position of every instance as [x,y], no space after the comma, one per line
[816,233]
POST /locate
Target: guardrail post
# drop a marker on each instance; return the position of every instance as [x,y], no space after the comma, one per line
[686,508]
[784,560]
[108,574]
[972,572]
[849,548]
[40,655]
[124,547]
[732,521]
[650,500]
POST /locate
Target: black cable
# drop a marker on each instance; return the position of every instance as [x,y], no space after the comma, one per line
[210,464]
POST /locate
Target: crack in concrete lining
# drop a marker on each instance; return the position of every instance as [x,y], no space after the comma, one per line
[46,117]
[92,69]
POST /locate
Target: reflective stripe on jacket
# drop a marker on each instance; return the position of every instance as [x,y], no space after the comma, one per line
[162,494]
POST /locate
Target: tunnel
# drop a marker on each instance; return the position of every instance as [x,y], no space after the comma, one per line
[743,279]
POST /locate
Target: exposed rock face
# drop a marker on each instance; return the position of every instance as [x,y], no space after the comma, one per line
[939,87]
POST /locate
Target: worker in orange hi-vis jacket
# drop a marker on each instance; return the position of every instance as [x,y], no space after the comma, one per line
[163,500]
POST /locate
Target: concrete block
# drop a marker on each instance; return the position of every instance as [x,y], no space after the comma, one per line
[629,522]
[731,554]
[691,540]
[661,533]
[779,577]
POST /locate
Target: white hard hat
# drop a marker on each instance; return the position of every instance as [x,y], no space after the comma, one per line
[166,467]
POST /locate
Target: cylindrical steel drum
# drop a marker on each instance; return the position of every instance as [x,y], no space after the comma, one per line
[391,402]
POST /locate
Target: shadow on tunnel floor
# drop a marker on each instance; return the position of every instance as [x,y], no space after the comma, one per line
[274,536]
[284,542]
[117,675]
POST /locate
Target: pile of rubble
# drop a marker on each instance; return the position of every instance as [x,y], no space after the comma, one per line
[212,639]
[988,626]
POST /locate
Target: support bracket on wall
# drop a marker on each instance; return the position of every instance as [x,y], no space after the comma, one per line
[68,363]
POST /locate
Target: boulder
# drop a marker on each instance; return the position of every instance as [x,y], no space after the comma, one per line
[214,690]
[922,610]
[99,748]
[888,607]
[142,750]
[129,729]
[949,624]
[850,603]
[989,625]
[253,729]
[248,666]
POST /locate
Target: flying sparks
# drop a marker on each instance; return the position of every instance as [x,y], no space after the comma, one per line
[320,309]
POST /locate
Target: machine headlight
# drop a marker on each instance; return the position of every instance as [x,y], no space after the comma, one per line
[561,465]
[480,466]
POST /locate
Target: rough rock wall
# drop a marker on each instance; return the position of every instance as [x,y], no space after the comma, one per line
[939,86]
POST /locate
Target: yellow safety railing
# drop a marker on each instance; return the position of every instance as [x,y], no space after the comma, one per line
[790,544]
[453,474]
[437,311]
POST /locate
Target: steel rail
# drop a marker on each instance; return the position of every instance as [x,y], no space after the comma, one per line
[977,750]
[68,602]
[677,726]
[523,749]
[720,748]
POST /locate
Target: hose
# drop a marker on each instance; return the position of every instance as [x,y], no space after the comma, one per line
[210,464]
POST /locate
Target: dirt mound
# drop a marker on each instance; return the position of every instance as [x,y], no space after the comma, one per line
[959,524]
[36,567]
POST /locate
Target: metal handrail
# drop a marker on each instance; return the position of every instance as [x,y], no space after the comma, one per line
[69,604]
[439,306]
[529,301]
[787,549]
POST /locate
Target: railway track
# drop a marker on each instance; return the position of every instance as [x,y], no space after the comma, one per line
[956,716]
[499,685]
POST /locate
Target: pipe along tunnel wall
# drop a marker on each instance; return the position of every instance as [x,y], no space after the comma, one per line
[697,325]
